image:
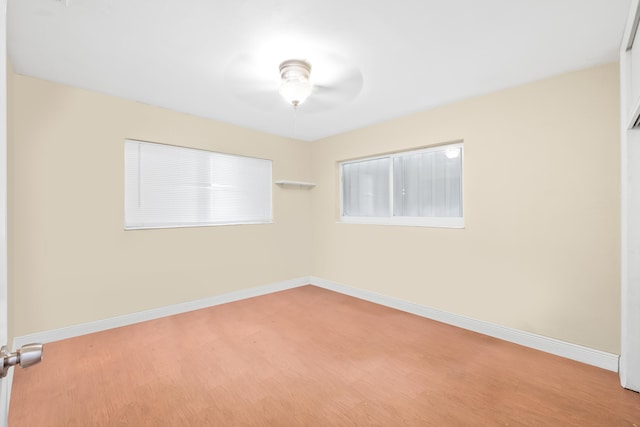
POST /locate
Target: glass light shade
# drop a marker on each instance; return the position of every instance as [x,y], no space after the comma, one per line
[295,86]
[295,91]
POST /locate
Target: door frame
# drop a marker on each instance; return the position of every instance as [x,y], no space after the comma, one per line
[4,336]
[629,368]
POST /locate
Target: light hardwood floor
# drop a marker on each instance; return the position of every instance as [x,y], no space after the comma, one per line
[310,357]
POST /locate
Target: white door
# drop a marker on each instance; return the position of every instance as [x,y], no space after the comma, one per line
[4,395]
[31,353]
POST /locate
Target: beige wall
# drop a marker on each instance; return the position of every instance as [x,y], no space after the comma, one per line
[72,262]
[540,250]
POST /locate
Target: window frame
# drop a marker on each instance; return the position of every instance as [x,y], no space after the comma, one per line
[417,221]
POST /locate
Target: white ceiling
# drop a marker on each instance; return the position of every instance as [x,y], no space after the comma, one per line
[376,60]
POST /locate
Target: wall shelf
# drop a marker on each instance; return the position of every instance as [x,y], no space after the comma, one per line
[300,184]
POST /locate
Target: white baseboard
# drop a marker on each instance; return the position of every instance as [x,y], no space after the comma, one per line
[576,352]
[129,319]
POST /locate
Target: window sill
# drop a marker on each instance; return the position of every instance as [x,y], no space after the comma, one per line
[406,221]
[206,224]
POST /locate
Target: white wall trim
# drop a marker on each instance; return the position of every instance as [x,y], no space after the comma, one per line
[629,224]
[129,319]
[571,351]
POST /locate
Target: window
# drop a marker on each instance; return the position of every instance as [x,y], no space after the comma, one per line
[167,186]
[422,187]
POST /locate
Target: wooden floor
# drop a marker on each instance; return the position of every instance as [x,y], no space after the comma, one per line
[309,357]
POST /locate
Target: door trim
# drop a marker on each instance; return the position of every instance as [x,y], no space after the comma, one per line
[4,335]
[629,224]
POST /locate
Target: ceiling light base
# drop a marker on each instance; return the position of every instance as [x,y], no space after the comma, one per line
[295,85]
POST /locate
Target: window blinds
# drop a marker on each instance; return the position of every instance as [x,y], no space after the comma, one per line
[421,187]
[366,188]
[168,186]
[428,184]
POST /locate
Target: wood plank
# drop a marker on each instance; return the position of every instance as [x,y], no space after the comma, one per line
[309,356]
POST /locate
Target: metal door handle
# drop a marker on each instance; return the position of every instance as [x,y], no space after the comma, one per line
[25,356]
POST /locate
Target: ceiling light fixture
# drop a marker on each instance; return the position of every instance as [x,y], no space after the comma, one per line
[295,85]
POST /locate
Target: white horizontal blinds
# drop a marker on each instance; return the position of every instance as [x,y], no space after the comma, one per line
[167,186]
[428,184]
[240,189]
[366,188]
[421,187]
